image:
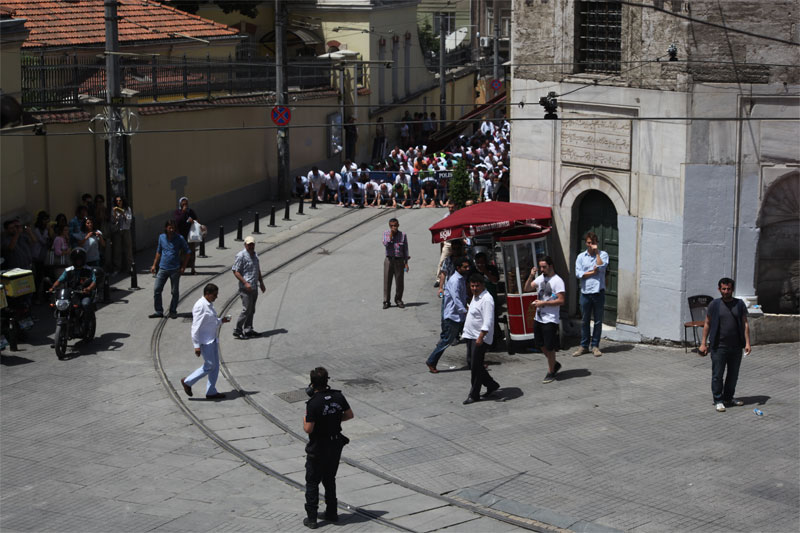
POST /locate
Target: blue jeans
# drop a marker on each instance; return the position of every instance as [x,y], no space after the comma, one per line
[592,304]
[720,358]
[450,330]
[161,280]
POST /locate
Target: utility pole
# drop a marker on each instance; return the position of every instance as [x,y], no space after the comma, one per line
[496,72]
[442,84]
[281,94]
[116,155]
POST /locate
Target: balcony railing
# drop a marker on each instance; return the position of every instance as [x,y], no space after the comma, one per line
[57,81]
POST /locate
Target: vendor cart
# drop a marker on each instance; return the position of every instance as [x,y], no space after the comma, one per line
[520,232]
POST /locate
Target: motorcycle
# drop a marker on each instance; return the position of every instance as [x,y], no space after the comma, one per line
[72,321]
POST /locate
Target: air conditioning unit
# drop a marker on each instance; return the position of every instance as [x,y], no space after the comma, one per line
[486,42]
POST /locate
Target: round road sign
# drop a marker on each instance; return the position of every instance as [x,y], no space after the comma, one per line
[496,85]
[281,115]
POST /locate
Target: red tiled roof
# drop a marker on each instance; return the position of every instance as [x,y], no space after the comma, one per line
[55,23]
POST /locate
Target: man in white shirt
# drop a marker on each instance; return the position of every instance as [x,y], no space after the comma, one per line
[316,181]
[204,337]
[550,288]
[332,183]
[479,334]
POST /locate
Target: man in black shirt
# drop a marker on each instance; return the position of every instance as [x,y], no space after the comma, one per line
[325,412]
[727,330]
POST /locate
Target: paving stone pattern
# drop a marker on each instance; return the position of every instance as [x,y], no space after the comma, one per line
[629,441]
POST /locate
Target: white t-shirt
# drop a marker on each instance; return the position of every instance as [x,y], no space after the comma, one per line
[548,289]
[316,179]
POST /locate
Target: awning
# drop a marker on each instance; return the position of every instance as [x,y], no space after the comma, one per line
[489,217]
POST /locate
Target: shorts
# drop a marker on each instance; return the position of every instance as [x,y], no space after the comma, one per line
[545,335]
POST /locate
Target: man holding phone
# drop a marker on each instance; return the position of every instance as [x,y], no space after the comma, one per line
[206,343]
[590,268]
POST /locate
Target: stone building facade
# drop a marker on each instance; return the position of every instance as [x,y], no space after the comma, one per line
[687,169]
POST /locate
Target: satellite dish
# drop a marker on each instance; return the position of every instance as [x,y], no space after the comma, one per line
[452,41]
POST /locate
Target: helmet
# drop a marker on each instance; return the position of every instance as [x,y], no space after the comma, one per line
[78,257]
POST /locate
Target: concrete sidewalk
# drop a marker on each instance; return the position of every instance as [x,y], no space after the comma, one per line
[628,441]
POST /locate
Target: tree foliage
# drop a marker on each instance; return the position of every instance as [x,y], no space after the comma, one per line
[428,42]
[248,8]
[460,189]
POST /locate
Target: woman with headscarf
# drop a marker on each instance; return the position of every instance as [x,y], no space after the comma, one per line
[184,218]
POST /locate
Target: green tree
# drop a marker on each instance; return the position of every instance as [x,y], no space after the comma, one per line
[460,190]
[428,42]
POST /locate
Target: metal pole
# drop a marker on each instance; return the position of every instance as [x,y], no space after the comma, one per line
[341,108]
[300,206]
[286,211]
[281,92]
[272,217]
[442,85]
[255,225]
[116,156]
[221,245]
[239,231]
[496,71]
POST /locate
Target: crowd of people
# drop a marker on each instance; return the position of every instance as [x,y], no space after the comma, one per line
[410,176]
[44,245]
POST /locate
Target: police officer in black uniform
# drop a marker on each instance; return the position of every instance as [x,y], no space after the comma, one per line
[325,412]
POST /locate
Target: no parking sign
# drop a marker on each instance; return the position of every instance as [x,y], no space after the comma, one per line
[281,115]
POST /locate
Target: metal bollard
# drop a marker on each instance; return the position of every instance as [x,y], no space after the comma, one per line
[13,331]
[134,282]
[255,225]
[239,232]
[300,206]
[221,245]
[203,248]
[106,290]
[272,217]
[286,211]
[313,200]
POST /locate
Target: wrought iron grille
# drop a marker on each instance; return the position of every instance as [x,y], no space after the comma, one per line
[57,81]
[600,39]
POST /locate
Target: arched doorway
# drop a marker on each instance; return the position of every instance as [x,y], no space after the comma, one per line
[778,275]
[596,213]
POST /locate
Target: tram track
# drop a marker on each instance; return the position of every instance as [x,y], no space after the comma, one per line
[260,466]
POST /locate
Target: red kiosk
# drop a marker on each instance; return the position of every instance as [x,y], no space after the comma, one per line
[521,230]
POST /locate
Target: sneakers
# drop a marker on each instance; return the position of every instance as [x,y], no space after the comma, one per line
[735,402]
[720,407]
[596,351]
[436,284]
[580,351]
[238,335]
[551,376]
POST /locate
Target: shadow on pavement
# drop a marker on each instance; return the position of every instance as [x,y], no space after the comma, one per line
[504,394]
[573,373]
[230,395]
[13,360]
[415,304]
[754,400]
[617,348]
[104,343]
[354,517]
[272,332]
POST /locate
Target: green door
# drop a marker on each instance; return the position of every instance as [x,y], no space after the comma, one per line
[598,214]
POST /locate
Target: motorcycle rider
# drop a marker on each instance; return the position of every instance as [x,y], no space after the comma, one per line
[79,277]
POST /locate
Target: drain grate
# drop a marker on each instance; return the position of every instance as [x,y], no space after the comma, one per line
[293,396]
